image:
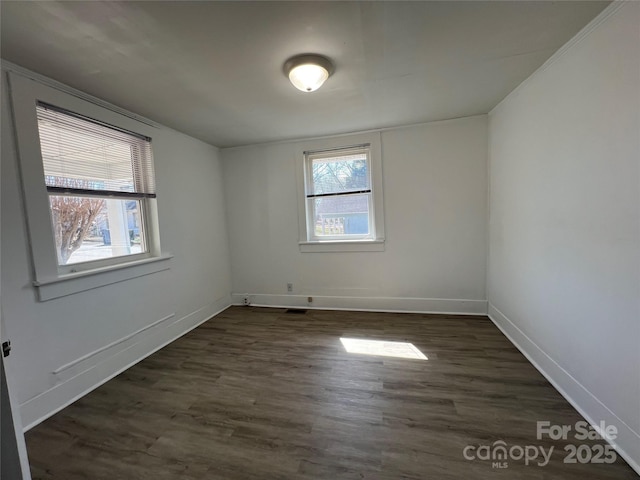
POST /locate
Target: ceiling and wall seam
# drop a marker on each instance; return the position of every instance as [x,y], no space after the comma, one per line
[575,40]
[355,132]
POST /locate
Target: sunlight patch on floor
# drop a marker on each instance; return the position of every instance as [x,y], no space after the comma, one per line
[382,348]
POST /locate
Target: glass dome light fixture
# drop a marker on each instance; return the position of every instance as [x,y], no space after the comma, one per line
[308,72]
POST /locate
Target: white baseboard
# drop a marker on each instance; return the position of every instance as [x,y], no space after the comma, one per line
[117,359]
[627,442]
[366,304]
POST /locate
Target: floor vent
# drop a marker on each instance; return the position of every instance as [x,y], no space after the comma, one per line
[295,310]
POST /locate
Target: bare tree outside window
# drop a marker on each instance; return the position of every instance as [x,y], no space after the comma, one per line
[73,218]
[348,173]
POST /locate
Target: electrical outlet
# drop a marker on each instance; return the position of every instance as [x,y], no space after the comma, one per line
[289,287]
[309,299]
[245,301]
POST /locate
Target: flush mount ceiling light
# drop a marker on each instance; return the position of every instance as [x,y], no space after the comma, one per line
[308,72]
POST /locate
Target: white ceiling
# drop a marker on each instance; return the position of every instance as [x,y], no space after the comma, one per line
[214,69]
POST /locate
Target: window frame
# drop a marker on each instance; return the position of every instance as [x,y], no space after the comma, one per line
[141,198]
[25,95]
[309,157]
[308,241]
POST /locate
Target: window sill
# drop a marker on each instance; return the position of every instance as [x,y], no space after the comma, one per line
[71,283]
[343,246]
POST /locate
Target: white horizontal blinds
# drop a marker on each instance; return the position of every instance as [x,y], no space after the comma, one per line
[338,172]
[83,156]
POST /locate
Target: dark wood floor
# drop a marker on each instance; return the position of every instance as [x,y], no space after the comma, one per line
[263,394]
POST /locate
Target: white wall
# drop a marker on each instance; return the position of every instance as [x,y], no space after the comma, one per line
[47,335]
[435,213]
[564,263]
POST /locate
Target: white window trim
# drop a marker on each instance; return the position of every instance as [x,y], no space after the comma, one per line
[309,186]
[376,241]
[51,280]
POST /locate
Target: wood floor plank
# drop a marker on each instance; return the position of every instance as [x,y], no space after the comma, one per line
[258,393]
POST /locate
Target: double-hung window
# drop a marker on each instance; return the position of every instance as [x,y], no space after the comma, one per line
[98,179]
[339,200]
[340,192]
[87,175]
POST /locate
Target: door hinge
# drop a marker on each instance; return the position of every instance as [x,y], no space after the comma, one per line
[6,348]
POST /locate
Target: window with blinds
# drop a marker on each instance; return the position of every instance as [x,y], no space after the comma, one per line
[99,179]
[339,198]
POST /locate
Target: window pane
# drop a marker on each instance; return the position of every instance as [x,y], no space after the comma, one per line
[342,215]
[90,228]
[345,173]
[79,153]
